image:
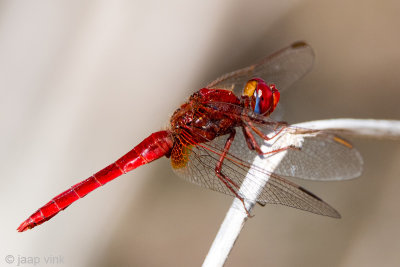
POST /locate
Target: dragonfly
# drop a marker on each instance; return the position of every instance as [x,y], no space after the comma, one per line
[214,137]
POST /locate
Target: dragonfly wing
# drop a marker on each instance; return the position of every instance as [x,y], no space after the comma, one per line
[284,192]
[317,155]
[282,68]
[200,167]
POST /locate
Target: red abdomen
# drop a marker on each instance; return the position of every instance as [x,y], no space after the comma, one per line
[153,147]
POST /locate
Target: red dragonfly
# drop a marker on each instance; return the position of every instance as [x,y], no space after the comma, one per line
[214,137]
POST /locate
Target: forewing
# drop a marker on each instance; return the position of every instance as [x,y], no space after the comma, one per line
[314,155]
[282,68]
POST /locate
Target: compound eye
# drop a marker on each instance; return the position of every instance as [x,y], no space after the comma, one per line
[263,98]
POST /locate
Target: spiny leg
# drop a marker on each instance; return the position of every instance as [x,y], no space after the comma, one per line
[226,180]
[218,167]
[253,145]
[248,121]
[283,126]
[249,143]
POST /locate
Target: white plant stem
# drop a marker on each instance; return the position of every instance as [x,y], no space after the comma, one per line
[237,216]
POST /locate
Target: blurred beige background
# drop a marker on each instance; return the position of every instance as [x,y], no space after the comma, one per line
[82,82]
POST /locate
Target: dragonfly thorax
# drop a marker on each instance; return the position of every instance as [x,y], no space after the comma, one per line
[201,120]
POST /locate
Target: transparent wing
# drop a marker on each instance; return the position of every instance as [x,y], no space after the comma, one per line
[319,155]
[282,68]
[310,161]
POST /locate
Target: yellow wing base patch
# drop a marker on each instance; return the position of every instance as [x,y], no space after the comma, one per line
[180,155]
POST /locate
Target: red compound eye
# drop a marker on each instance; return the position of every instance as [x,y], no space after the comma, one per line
[263,98]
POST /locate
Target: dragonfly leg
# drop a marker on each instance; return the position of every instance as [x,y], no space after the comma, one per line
[248,140]
[248,121]
[232,186]
[253,145]
[282,125]
[218,167]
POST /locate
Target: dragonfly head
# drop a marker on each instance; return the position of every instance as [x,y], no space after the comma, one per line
[263,97]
